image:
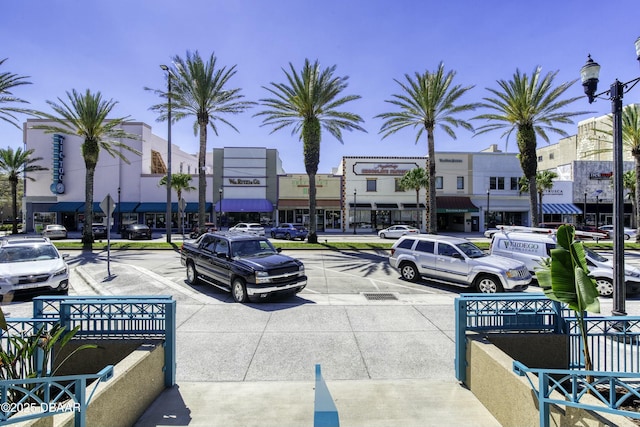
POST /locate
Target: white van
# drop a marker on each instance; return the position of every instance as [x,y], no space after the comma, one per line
[532,248]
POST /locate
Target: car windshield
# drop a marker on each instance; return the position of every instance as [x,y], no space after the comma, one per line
[27,253]
[471,250]
[250,248]
[594,255]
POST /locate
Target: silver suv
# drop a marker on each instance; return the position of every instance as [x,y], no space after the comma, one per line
[31,263]
[457,261]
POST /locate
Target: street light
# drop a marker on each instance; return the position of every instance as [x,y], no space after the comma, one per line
[589,74]
[220,195]
[118,216]
[488,204]
[168,219]
[598,208]
[584,210]
[354,210]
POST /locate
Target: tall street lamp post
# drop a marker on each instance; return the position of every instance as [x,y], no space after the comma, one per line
[589,75]
[168,218]
[220,194]
[354,210]
[488,205]
[584,210]
[118,216]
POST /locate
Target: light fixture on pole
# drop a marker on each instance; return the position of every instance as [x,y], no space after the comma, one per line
[584,210]
[168,218]
[488,205]
[354,210]
[220,195]
[589,74]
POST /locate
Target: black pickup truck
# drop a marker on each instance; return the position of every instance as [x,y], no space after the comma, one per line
[246,265]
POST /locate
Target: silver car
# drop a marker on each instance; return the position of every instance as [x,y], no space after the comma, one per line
[397,231]
[248,227]
[32,263]
[55,231]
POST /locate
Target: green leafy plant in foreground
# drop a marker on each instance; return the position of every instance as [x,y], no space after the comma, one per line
[565,278]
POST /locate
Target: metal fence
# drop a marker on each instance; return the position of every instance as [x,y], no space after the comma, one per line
[102,317]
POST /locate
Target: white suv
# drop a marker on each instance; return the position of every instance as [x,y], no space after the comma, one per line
[248,227]
[31,263]
[457,261]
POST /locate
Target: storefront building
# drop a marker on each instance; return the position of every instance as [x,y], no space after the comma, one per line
[293,201]
[245,185]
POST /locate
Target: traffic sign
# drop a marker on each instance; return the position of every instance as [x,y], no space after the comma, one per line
[107,205]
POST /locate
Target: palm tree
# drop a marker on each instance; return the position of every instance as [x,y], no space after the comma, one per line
[629,182]
[544,181]
[428,101]
[7,82]
[179,182]
[415,179]
[15,165]
[308,102]
[200,91]
[85,115]
[532,106]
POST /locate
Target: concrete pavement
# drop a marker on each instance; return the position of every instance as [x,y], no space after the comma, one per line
[386,363]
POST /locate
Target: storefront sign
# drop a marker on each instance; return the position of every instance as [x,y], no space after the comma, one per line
[600,175]
[57,186]
[383,168]
[244,181]
[450,160]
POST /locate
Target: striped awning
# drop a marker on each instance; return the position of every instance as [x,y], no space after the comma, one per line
[561,208]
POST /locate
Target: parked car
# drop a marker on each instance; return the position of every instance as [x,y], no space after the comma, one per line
[290,231]
[99,230]
[30,264]
[532,249]
[456,261]
[397,231]
[136,231]
[244,264]
[209,227]
[248,227]
[629,233]
[55,231]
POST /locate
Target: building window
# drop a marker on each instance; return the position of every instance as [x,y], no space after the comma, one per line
[460,183]
[514,183]
[496,183]
[439,183]
[372,185]
[398,186]
[540,158]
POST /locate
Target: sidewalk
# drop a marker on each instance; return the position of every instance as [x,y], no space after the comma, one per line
[385,363]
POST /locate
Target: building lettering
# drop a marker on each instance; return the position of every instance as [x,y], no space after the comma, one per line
[600,175]
[242,181]
[396,169]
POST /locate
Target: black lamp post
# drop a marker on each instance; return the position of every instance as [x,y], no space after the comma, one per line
[488,205]
[598,209]
[589,75]
[118,216]
[584,210]
[354,210]
[168,219]
[220,207]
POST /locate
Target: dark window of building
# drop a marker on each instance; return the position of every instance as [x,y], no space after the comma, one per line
[439,183]
[372,185]
[460,183]
[514,183]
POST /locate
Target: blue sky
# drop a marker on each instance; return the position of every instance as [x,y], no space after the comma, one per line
[116,47]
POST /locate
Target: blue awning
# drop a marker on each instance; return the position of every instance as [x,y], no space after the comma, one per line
[245,205]
[561,208]
[66,207]
[126,207]
[158,207]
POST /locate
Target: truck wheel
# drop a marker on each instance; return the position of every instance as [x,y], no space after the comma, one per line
[409,272]
[383,236]
[488,285]
[239,290]
[192,274]
[273,235]
[605,286]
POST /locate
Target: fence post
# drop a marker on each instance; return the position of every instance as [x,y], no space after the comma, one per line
[325,413]
[170,343]
[460,358]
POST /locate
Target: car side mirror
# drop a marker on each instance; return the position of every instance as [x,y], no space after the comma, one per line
[457,255]
[222,255]
[278,250]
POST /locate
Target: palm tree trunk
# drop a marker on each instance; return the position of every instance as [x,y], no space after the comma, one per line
[529,163]
[418,219]
[432,216]
[311,149]
[14,206]
[202,180]
[87,231]
[541,214]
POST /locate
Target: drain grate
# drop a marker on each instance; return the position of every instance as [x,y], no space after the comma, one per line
[380,296]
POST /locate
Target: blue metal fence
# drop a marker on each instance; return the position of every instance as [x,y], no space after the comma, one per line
[614,344]
[101,317]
